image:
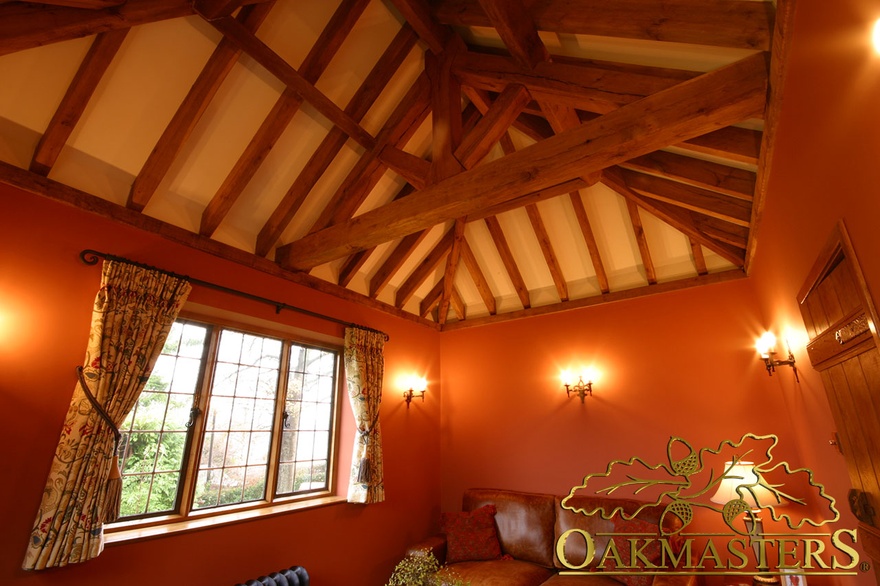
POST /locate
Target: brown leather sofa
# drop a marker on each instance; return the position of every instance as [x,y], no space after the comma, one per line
[528,527]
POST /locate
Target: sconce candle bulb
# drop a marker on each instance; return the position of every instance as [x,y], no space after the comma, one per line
[580,388]
[417,388]
[766,347]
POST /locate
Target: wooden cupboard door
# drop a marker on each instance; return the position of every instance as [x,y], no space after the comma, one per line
[840,316]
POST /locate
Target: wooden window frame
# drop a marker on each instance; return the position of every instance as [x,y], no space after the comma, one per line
[186,518]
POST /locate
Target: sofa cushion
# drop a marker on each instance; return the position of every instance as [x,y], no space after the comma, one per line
[504,572]
[524,521]
[630,527]
[599,528]
[471,535]
[594,579]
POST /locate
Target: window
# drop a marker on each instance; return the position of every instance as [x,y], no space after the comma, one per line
[229,417]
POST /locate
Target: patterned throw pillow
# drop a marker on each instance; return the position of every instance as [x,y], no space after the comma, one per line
[625,530]
[471,536]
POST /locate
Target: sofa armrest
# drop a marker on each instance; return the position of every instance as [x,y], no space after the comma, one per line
[674,580]
[436,544]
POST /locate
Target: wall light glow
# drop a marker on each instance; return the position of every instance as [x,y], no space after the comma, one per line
[875,37]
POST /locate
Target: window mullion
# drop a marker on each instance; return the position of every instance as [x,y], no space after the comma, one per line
[200,402]
[278,424]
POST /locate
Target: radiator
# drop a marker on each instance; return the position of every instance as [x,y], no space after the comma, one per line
[295,576]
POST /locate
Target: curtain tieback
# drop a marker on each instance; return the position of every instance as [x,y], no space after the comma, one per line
[114,480]
[101,411]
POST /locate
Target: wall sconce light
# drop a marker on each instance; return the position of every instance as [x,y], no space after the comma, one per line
[766,346]
[418,386]
[579,388]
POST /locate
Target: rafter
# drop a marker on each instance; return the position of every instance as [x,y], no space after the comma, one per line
[726,23]
[517,31]
[494,124]
[446,121]
[709,203]
[398,129]
[90,72]
[354,263]
[190,112]
[587,86]
[418,14]
[452,260]
[25,26]
[357,107]
[580,213]
[698,173]
[699,259]
[482,285]
[507,259]
[679,218]
[547,250]
[395,260]
[692,108]
[277,66]
[642,241]
[421,272]
[285,108]
[742,145]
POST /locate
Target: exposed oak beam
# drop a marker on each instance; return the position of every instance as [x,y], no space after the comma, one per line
[211,9]
[696,172]
[681,219]
[709,203]
[452,260]
[635,293]
[692,108]
[406,118]
[418,14]
[517,31]
[42,186]
[277,66]
[421,272]
[507,259]
[489,130]
[416,170]
[285,108]
[547,250]
[446,120]
[395,260]
[699,259]
[473,267]
[642,241]
[90,72]
[27,26]
[580,213]
[87,4]
[726,23]
[782,33]
[738,144]
[585,86]
[357,107]
[190,112]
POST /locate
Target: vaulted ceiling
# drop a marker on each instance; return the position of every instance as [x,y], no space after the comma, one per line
[453,162]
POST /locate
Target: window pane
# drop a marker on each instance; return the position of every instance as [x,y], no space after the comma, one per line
[154,435]
[235,453]
[305,441]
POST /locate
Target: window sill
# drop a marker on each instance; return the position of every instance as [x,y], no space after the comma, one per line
[136,530]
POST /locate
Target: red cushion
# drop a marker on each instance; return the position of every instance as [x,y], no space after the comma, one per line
[471,536]
[624,530]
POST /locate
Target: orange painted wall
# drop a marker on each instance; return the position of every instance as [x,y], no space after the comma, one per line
[46,295]
[677,364]
[824,170]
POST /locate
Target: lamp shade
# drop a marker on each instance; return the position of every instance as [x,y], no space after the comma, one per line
[742,476]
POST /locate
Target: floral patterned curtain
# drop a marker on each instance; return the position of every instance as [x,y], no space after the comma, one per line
[364,369]
[133,313]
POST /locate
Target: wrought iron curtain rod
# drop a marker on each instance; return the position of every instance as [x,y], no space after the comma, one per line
[90,257]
